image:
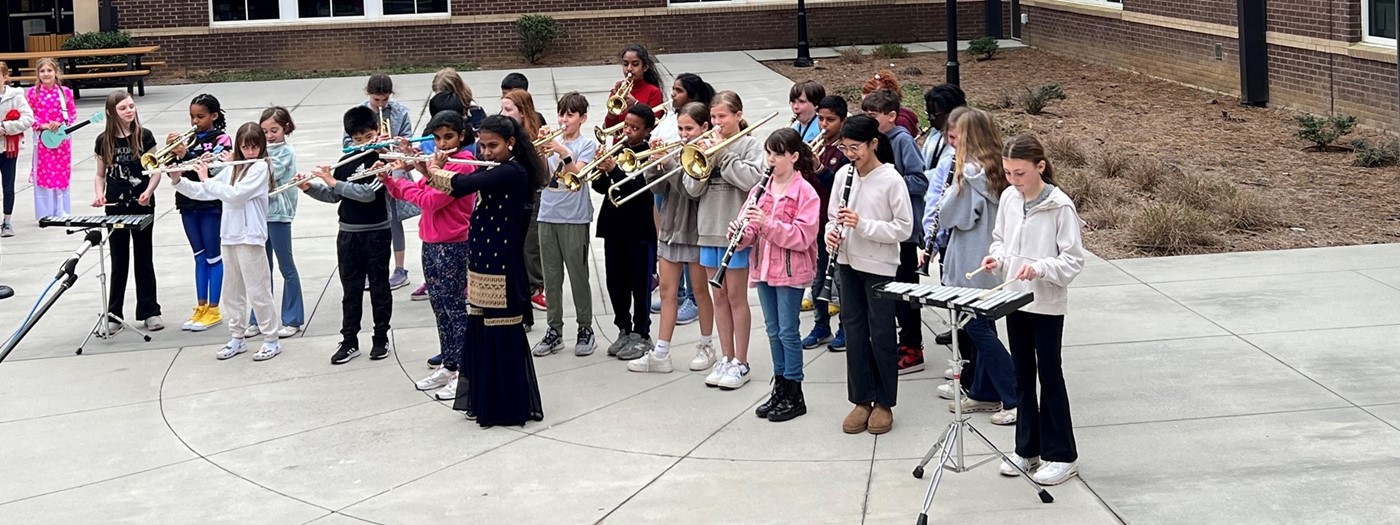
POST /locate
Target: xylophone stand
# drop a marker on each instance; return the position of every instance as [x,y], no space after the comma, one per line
[954,435]
[99,328]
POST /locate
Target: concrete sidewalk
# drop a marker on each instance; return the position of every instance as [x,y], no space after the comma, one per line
[1236,388]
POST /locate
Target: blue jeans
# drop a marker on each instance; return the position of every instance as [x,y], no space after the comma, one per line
[279,243]
[202,230]
[686,291]
[782,306]
[995,376]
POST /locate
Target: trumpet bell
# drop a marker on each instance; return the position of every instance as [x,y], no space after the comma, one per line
[695,163]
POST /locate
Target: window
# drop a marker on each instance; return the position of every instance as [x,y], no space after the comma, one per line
[330,8]
[411,7]
[1378,21]
[228,10]
[234,11]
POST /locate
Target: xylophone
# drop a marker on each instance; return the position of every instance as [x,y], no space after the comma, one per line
[996,304]
[139,222]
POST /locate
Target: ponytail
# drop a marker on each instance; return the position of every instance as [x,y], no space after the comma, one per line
[787,140]
[211,104]
[523,152]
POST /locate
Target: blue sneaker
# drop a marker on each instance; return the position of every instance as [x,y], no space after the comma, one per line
[838,343]
[656,303]
[435,361]
[820,335]
[687,313]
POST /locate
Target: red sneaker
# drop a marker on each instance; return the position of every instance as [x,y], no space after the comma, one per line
[911,359]
[538,300]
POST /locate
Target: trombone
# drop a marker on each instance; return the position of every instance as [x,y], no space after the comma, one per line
[641,170]
[166,154]
[617,102]
[697,162]
[630,161]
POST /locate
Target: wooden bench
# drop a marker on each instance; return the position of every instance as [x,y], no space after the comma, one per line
[133,73]
[27,72]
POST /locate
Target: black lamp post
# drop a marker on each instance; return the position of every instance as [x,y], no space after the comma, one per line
[804,56]
[952,42]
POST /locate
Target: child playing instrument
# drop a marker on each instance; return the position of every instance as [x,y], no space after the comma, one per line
[803,97]
[782,226]
[638,65]
[679,252]
[18,117]
[520,106]
[443,226]
[362,244]
[737,169]
[54,110]
[687,88]
[277,124]
[563,232]
[201,217]
[243,232]
[831,114]
[866,231]
[380,91]
[122,188]
[1037,242]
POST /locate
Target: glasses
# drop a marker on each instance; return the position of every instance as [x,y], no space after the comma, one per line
[847,149]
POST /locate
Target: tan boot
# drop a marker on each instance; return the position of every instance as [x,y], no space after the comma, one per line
[881,419]
[857,420]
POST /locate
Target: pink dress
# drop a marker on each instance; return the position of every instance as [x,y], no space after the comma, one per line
[52,168]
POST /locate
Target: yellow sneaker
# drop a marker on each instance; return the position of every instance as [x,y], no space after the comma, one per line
[833,310]
[198,313]
[807,305]
[211,318]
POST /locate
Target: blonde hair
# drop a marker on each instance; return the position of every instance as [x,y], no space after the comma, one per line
[980,142]
[57,71]
[447,80]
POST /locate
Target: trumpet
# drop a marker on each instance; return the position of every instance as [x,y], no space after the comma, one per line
[590,171]
[641,170]
[605,134]
[718,280]
[697,162]
[166,154]
[630,161]
[190,165]
[381,145]
[817,144]
[426,158]
[924,132]
[617,102]
[540,142]
[297,180]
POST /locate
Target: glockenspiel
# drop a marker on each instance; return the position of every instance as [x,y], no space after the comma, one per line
[139,222]
[996,304]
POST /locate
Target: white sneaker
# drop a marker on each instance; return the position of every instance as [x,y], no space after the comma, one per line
[948,374]
[970,405]
[251,331]
[449,392]
[648,362]
[1055,473]
[1004,417]
[1026,464]
[735,376]
[269,350]
[439,378]
[232,348]
[704,357]
[717,372]
[288,331]
[945,391]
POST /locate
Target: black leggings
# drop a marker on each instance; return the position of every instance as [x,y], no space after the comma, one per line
[1043,429]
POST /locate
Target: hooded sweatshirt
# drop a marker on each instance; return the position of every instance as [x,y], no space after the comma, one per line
[1047,237]
[12,98]
[908,160]
[244,218]
[938,164]
[882,201]
[678,225]
[739,167]
[968,212]
[282,207]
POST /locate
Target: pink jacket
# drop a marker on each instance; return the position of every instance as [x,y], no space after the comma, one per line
[444,218]
[786,243]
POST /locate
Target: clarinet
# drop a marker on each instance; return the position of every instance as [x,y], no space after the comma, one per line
[929,250]
[718,280]
[825,293]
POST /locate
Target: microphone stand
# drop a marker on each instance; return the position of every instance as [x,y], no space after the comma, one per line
[66,276]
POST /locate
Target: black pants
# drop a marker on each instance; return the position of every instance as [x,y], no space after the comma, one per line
[820,313]
[361,255]
[969,352]
[120,243]
[627,264]
[1045,429]
[910,324]
[872,361]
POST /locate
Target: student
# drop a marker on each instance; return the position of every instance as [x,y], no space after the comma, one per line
[445,101]
[447,80]
[939,103]
[886,80]
[646,81]
[517,81]
[54,110]
[277,125]
[831,114]
[629,241]
[362,244]
[737,169]
[443,226]
[499,385]
[520,106]
[883,106]
[563,231]
[122,188]
[380,91]
[782,226]
[875,219]
[1037,242]
[679,253]
[243,232]
[803,97]
[201,217]
[938,235]
[966,211]
[687,88]
[18,117]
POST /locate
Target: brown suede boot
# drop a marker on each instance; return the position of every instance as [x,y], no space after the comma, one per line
[881,419]
[856,421]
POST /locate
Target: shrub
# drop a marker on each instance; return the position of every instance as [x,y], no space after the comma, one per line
[1375,155]
[1065,151]
[852,55]
[1201,193]
[1147,174]
[983,48]
[1090,192]
[99,40]
[1170,228]
[1109,217]
[1323,131]
[1113,164]
[537,32]
[1247,211]
[888,51]
[1034,100]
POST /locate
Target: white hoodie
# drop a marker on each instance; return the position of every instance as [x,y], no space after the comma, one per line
[244,219]
[886,218]
[13,98]
[1048,239]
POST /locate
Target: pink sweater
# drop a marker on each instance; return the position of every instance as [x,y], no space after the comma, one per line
[444,218]
[786,253]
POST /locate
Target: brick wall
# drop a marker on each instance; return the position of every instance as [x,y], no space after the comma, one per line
[1329,19]
[1213,11]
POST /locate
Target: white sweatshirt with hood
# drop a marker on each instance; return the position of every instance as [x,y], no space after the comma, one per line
[1046,237]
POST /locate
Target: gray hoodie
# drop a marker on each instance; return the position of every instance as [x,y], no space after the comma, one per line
[910,163]
[969,213]
[740,166]
[678,210]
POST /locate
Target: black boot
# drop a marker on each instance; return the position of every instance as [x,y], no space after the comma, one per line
[945,338]
[791,405]
[773,398]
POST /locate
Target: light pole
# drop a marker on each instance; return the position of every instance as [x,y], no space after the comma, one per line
[804,55]
[952,42]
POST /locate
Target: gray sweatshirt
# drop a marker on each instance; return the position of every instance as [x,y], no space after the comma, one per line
[678,211]
[969,213]
[740,166]
[355,191]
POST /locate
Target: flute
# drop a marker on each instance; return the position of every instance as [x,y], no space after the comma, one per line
[825,293]
[718,280]
[188,166]
[427,158]
[381,145]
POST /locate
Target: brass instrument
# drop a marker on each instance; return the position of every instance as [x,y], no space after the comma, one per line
[540,142]
[641,170]
[604,134]
[166,154]
[576,181]
[190,165]
[297,180]
[617,103]
[630,161]
[924,132]
[426,158]
[817,144]
[697,162]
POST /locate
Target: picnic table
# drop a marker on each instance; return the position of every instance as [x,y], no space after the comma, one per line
[133,73]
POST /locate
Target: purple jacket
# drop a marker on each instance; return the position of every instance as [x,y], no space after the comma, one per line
[786,243]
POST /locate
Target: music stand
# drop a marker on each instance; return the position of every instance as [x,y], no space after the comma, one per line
[99,328]
[954,435]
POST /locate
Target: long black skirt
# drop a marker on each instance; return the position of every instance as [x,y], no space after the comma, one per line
[498,384]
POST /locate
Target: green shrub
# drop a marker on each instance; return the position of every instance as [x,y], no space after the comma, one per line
[1034,100]
[99,40]
[537,32]
[1375,155]
[983,48]
[1323,131]
[888,51]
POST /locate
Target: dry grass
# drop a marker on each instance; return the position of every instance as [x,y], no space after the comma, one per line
[1195,191]
[1089,192]
[852,55]
[1147,174]
[1107,217]
[1065,151]
[1170,228]
[1113,164]
[1245,210]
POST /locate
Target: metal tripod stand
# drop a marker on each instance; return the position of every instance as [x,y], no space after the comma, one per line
[99,328]
[953,437]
